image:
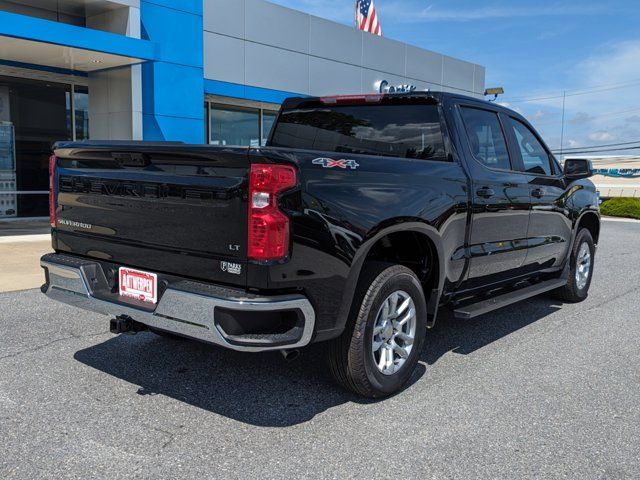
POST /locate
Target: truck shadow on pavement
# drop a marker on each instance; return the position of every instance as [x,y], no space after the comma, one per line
[265,390]
[467,336]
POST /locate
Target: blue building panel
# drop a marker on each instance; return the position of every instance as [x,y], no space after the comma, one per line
[190,6]
[172,90]
[47,31]
[247,92]
[188,130]
[178,34]
[173,86]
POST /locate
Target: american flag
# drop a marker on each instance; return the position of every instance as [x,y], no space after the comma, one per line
[367,17]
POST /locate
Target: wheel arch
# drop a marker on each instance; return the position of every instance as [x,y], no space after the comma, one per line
[591,221]
[399,231]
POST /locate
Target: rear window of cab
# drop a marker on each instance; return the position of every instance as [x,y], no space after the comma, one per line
[405,131]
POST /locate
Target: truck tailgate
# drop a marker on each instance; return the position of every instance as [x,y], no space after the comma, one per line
[172,209]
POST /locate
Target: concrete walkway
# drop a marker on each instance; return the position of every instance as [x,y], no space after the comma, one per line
[24,227]
[21,246]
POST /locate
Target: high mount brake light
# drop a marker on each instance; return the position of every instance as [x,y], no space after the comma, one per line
[268,225]
[374,98]
[53,190]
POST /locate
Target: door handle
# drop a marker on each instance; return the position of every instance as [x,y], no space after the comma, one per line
[485,192]
[538,193]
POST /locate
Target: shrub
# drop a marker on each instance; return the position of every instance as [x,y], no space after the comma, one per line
[621,207]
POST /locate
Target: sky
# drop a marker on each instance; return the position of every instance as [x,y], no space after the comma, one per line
[536,50]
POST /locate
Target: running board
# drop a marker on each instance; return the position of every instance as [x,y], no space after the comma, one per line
[485,306]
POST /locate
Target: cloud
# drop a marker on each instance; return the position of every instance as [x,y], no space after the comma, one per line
[580,118]
[614,71]
[539,114]
[555,32]
[614,64]
[601,136]
[600,88]
[512,107]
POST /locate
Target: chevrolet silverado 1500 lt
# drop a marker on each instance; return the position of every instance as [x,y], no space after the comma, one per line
[361,219]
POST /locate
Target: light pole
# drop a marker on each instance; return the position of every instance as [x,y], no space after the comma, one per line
[564,97]
[355,14]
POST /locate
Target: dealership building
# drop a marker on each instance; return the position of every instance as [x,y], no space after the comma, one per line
[197,71]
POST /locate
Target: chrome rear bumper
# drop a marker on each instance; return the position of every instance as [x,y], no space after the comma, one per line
[186,308]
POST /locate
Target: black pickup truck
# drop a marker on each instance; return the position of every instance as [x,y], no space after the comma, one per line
[362,218]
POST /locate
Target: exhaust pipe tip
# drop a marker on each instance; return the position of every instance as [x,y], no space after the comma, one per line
[290,355]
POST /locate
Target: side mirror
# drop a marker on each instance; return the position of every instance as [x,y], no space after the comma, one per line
[576,168]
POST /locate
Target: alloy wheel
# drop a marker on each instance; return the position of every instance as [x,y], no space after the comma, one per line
[394,332]
[583,265]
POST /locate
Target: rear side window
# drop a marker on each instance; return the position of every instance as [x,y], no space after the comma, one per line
[486,138]
[534,156]
[409,131]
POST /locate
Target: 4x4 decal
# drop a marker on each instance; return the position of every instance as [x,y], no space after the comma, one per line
[331,163]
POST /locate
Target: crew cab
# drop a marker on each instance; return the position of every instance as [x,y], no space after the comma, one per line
[362,218]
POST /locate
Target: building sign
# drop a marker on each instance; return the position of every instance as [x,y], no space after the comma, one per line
[618,172]
[383,87]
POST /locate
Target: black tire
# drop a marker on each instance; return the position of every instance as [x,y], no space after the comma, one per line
[351,359]
[572,292]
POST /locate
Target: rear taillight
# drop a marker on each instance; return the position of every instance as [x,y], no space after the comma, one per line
[53,187]
[268,225]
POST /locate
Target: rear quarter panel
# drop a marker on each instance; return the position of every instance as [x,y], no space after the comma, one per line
[336,210]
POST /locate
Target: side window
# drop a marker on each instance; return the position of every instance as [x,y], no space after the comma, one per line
[535,157]
[486,138]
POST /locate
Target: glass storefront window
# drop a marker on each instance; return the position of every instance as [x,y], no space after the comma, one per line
[81,105]
[39,112]
[240,125]
[34,114]
[268,119]
[234,126]
[206,122]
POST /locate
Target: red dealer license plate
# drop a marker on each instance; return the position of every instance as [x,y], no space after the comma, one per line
[140,285]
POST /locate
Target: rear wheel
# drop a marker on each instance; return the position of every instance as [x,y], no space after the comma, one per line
[581,269]
[380,347]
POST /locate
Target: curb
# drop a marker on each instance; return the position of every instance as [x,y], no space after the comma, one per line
[619,219]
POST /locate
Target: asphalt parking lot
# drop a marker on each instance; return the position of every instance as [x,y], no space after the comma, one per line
[537,390]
